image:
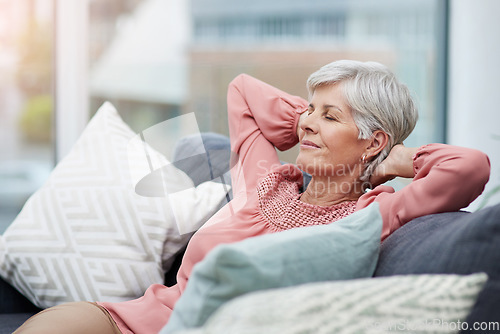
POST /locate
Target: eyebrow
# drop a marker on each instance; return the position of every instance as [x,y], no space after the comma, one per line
[328,106]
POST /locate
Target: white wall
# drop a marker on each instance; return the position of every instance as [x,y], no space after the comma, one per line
[474,81]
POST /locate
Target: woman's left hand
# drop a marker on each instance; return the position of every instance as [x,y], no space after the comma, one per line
[399,163]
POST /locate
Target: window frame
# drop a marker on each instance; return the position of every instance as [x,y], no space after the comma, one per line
[71,97]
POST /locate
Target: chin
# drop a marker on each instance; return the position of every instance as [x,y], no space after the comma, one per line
[315,167]
[299,162]
[304,166]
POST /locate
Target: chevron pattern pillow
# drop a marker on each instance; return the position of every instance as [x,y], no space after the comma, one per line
[87,235]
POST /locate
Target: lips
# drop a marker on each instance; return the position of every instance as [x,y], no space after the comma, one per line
[308,144]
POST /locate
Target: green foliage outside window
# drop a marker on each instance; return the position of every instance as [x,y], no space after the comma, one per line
[36,119]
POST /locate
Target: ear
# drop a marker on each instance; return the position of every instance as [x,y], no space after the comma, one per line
[377,142]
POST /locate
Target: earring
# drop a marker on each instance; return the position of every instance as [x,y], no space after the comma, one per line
[363,158]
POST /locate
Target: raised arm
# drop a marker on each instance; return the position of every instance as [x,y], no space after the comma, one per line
[261,117]
[446,178]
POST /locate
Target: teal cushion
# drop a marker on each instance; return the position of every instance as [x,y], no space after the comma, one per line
[342,250]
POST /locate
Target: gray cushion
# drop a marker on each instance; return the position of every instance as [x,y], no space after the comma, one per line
[455,242]
[204,157]
[12,301]
[11,321]
[207,156]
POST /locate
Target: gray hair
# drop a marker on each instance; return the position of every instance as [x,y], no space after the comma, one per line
[378,101]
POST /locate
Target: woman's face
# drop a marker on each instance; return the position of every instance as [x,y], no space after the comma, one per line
[329,144]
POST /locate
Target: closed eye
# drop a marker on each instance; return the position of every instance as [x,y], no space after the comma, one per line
[327,114]
[330,117]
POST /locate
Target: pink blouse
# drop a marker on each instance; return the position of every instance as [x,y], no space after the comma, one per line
[266,193]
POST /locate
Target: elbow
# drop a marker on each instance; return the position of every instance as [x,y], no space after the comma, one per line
[237,83]
[486,168]
[235,98]
[236,92]
[480,168]
[476,172]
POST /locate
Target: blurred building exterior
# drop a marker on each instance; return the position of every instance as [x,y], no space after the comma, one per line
[138,59]
[154,66]
[283,41]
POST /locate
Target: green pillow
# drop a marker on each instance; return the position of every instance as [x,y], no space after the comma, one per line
[342,250]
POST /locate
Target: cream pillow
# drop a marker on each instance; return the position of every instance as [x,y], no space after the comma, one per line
[87,235]
[394,304]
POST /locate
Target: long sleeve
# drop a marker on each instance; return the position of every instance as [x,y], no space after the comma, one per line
[447,178]
[261,118]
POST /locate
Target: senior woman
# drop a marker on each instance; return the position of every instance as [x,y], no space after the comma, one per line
[350,136]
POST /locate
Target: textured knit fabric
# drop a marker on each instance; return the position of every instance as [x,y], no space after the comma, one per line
[261,119]
[280,205]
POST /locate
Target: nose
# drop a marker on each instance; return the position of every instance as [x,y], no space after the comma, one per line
[309,123]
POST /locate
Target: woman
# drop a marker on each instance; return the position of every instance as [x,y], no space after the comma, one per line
[350,135]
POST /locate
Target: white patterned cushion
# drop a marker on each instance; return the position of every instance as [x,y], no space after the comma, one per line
[395,304]
[87,235]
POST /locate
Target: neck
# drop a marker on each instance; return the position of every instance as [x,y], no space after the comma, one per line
[328,192]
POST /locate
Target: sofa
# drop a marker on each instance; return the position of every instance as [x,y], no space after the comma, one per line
[460,243]
[444,243]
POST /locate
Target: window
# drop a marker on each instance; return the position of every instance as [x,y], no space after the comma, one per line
[292,39]
[26,103]
[157,59]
